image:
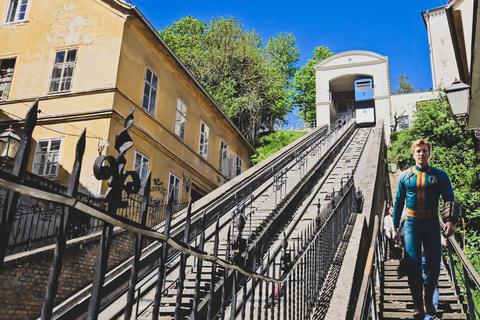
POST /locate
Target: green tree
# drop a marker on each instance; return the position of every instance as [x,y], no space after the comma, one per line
[303,92]
[284,53]
[403,85]
[247,79]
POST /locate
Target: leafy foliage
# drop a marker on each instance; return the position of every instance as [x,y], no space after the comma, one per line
[454,151]
[403,85]
[269,144]
[247,79]
[303,91]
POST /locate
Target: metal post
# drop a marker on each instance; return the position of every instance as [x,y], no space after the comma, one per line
[183,262]
[162,268]
[113,169]
[471,304]
[213,273]
[252,297]
[196,297]
[56,269]
[259,313]
[137,251]
[266,287]
[19,168]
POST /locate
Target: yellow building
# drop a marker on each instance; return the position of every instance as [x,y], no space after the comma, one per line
[89,62]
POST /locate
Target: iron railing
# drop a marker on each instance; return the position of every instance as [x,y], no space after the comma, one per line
[366,306]
[37,222]
[313,248]
[462,270]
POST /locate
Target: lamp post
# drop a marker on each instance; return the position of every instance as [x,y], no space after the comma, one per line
[459,99]
[9,143]
[458,96]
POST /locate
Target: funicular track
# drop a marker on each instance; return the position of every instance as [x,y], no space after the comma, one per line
[265,230]
[202,282]
[263,221]
[301,220]
[116,281]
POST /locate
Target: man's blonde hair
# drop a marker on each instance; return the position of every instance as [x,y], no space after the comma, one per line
[420,142]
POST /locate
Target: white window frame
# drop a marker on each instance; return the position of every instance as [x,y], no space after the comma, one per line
[140,168]
[177,185]
[238,166]
[17,11]
[203,143]
[48,161]
[180,118]
[150,85]
[6,79]
[63,66]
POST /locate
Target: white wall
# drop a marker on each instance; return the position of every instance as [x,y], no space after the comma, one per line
[442,56]
[406,104]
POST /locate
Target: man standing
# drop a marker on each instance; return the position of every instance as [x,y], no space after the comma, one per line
[420,188]
[388,230]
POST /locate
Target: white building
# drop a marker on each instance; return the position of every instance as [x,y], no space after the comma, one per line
[454,39]
[335,92]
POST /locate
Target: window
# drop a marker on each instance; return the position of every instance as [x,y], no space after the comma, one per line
[150,91]
[238,166]
[6,75]
[16,11]
[223,158]
[141,166]
[62,73]
[364,85]
[180,118]
[47,157]
[403,123]
[174,186]
[203,140]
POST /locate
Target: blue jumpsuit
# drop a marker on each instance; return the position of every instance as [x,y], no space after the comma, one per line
[420,190]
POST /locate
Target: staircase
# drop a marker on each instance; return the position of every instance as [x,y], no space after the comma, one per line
[398,303]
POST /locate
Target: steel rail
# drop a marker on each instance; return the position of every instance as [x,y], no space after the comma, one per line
[307,201]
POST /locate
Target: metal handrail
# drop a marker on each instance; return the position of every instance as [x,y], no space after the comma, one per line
[467,272]
[371,273]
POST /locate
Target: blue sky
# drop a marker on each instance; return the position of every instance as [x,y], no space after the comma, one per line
[391,28]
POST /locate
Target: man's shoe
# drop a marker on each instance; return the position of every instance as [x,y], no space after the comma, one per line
[429,306]
[417,295]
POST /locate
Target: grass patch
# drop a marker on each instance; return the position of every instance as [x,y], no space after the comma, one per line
[271,143]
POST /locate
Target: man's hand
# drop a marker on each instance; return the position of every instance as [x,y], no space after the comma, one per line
[449,229]
[396,235]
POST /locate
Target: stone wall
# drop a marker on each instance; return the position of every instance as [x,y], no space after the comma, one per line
[24,277]
[373,185]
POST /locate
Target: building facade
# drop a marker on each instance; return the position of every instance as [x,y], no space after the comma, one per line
[89,62]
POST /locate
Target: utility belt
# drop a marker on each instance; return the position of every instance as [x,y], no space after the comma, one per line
[421,213]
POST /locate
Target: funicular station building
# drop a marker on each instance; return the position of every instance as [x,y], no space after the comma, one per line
[335,92]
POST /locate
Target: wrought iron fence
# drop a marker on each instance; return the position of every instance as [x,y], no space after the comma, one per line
[157,209]
[36,222]
[295,276]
